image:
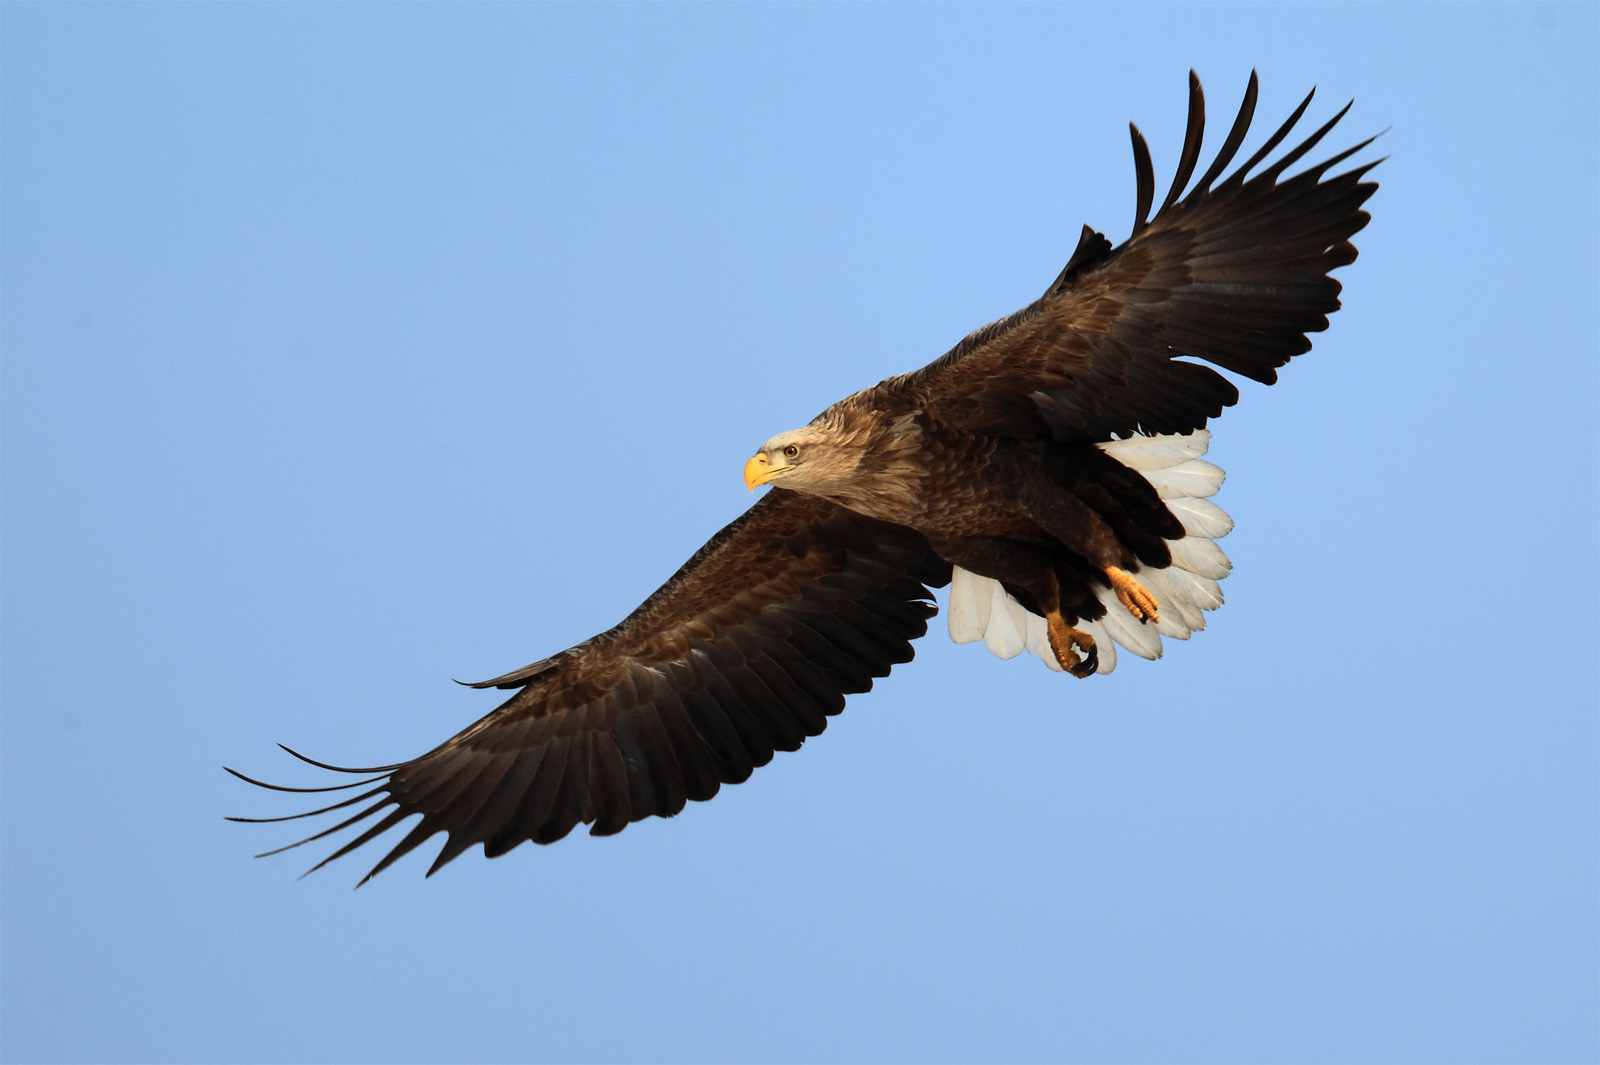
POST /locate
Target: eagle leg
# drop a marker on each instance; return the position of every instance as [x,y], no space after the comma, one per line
[1133,595]
[1067,641]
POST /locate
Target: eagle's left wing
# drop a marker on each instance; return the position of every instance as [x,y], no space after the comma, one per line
[1235,273]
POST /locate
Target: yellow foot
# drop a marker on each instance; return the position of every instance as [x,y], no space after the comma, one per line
[1133,595]
[1067,641]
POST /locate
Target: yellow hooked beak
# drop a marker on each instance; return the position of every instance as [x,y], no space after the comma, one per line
[759,470]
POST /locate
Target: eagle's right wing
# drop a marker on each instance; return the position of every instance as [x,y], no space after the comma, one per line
[747,650]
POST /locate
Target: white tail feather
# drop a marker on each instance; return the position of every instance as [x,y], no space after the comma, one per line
[1142,640]
[980,609]
[1201,591]
[1006,635]
[969,612]
[1201,517]
[1177,610]
[1200,556]
[1157,452]
[1196,478]
[1039,642]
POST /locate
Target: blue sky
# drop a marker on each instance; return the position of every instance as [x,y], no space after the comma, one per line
[348,349]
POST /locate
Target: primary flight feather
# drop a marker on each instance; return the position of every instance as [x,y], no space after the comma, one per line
[1048,468]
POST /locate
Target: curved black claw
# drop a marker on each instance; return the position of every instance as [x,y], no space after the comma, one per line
[1086,667]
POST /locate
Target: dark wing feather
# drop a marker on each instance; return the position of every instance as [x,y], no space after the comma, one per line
[747,650]
[1236,275]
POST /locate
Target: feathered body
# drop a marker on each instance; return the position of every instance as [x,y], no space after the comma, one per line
[1048,468]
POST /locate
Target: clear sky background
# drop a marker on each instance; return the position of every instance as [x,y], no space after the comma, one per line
[348,349]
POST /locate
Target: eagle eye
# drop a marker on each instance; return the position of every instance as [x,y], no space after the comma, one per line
[790,452]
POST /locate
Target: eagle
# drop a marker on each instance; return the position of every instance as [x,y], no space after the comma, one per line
[1048,469]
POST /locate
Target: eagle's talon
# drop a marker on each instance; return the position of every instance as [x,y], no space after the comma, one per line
[1090,665]
[1134,596]
[1066,642]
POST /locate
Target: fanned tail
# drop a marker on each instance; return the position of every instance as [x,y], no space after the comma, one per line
[980,609]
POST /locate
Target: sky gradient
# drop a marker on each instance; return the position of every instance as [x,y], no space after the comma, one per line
[351,348]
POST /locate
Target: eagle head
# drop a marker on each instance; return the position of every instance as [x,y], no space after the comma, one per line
[814,460]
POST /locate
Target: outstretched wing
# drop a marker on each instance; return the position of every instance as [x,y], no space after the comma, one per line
[747,650]
[1236,274]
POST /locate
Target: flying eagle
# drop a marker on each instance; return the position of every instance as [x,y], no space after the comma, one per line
[1048,468]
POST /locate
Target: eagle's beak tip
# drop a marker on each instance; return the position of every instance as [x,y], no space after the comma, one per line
[753,471]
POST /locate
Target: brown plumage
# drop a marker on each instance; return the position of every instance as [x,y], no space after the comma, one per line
[995,462]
